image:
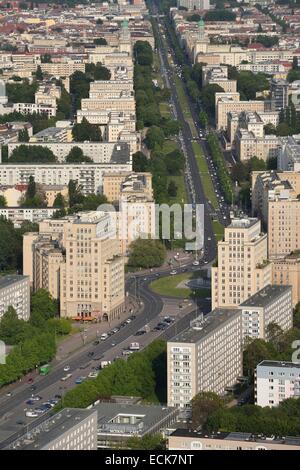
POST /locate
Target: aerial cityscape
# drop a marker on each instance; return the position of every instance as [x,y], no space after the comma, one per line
[150,226]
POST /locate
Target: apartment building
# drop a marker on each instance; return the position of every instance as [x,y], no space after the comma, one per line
[101,88]
[69,429]
[90,269]
[33,108]
[289,155]
[286,272]
[279,93]
[254,123]
[247,145]
[99,152]
[188,439]
[242,267]
[207,356]
[106,118]
[276,381]
[283,226]
[52,134]
[47,94]
[230,102]
[88,176]
[272,304]
[218,75]
[63,69]
[17,215]
[15,292]
[115,183]
[120,103]
[194,4]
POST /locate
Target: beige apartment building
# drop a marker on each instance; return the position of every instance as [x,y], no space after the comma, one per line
[283,227]
[243,267]
[230,102]
[121,104]
[286,272]
[80,262]
[207,357]
[47,95]
[115,183]
[248,145]
[63,69]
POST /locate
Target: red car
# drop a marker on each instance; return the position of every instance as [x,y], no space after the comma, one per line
[30,381]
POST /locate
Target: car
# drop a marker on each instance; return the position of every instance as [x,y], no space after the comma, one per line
[33,388]
[67,368]
[31,414]
[57,396]
[53,401]
[115,330]
[113,344]
[8,394]
[93,375]
[133,317]
[173,272]
[30,402]
[128,320]
[205,262]
[30,381]
[90,354]
[46,405]
[80,380]
[96,342]
[196,263]
[35,398]
[66,377]
[209,239]
[20,422]
[140,333]
[40,410]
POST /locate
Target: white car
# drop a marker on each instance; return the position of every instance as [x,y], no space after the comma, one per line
[66,377]
[173,272]
[195,263]
[93,375]
[67,368]
[31,414]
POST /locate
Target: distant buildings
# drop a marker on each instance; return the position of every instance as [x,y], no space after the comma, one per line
[242,267]
[15,292]
[279,93]
[276,381]
[194,4]
[205,357]
[289,155]
[230,102]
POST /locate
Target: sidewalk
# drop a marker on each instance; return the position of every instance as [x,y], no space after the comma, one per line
[91,332]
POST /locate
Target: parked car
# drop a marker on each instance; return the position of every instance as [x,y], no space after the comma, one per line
[67,368]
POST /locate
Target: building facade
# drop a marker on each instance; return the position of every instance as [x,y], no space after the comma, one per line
[15,292]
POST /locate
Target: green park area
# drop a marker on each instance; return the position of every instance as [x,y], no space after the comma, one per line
[168,286]
[204,175]
[218,229]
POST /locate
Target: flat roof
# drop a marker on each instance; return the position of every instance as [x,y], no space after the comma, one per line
[148,416]
[6,281]
[265,296]
[52,428]
[279,364]
[201,328]
[237,436]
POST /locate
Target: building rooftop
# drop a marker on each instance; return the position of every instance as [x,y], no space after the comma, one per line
[237,436]
[265,296]
[6,281]
[243,222]
[130,418]
[204,325]
[51,429]
[280,364]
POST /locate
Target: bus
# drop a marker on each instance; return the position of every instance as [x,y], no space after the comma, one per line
[45,369]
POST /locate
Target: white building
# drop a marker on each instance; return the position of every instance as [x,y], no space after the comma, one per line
[276,381]
[15,292]
[34,214]
[88,176]
[272,304]
[194,4]
[205,357]
[289,155]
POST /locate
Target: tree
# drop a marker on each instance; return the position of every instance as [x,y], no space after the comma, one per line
[296,321]
[39,74]
[75,195]
[76,156]
[12,330]
[59,201]
[64,103]
[46,59]
[154,137]
[259,29]
[140,162]
[147,442]
[203,404]
[208,97]
[220,15]
[146,253]
[203,118]
[23,135]
[3,202]
[10,246]
[143,53]
[101,73]
[270,129]
[99,21]
[31,188]
[172,189]
[256,351]
[100,42]
[295,63]
[32,154]
[85,131]
[44,304]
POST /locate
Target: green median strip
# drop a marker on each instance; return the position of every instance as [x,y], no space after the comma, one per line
[168,286]
[205,175]
[218,229]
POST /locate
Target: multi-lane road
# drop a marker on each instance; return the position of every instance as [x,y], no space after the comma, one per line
[12,417]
